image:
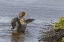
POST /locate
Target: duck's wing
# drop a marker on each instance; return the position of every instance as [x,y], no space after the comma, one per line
[29,20]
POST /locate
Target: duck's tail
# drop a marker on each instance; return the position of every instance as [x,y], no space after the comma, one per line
[29,20]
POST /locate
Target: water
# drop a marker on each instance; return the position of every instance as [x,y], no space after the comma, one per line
[44,13]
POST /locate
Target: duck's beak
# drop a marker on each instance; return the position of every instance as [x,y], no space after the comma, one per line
[26,14]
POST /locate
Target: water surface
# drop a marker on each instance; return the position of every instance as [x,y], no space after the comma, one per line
[44,12]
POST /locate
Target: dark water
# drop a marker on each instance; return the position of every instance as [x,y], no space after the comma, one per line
[43,12]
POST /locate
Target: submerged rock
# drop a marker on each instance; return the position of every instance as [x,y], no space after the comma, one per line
[53,36]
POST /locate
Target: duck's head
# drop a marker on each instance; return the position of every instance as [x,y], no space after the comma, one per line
[21,14]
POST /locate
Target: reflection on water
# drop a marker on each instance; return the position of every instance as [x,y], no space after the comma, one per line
[31,33]
[17,37]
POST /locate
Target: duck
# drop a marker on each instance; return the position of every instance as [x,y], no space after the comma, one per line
[23,22]
[20,23]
